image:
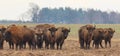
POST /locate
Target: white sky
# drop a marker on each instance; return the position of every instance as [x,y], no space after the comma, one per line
[12,9]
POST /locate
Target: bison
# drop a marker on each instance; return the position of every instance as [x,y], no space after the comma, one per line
[85,33]
[39,37]
[41,31]
[60,35]
[98,36]
[109,32]
[2,29]
[50,37]
[19,35]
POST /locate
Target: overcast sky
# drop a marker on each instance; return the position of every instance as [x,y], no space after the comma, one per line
[12,9]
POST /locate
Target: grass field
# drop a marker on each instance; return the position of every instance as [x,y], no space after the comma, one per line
[71,45]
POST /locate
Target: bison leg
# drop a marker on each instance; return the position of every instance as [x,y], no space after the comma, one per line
[40,44]
[93,44]
[96,44]
[33,45]
[2,44]
[17,46]
[30,45]
[57,45]
[101,44]
[88,46]
[82,43]
[11,45]
[61,44]
[24,45]
[52,45]
[105,43]
[46,44]
[21,45]
[109,43]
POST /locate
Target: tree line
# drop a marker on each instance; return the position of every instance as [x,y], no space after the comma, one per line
[73,16]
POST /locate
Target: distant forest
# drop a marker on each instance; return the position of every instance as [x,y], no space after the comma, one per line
[73,16]
[68,15]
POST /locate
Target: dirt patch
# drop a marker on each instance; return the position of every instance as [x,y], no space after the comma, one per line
[70,48]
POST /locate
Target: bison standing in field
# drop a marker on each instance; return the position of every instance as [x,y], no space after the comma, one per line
[19,35]
[29,36]
[85,33]
[41,31]
[2,29]
[109,32]
[98,36]
[60,35]
[50,37]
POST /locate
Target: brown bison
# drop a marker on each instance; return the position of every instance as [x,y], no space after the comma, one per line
[98,36]
[109,32]
[29,36]
[60,35]
[50,37]
[2,29]
[39,37]
[19,35]
[41,31]
[85,33]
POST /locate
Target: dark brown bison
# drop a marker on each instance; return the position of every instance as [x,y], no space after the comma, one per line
[29,36]
[39,37]
[60,35]
[2,29]
[41,31]
[19,35]
[85,33]
[50,37]
[109,32]
[98,36]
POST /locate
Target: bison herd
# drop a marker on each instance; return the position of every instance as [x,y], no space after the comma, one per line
[18,36]
[89,32]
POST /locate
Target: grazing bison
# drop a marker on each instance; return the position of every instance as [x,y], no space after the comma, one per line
[60,35]
[19,35]
[109,32]
[85,33]
[2,29]
[50,37]
[98,36]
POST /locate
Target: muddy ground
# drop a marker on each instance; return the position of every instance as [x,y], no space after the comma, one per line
[70,48]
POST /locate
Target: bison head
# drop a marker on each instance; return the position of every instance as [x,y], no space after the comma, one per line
[2,29]
[65,32]
[39,33]
[90,28]
[52,30]
[111,32]
[7,35]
